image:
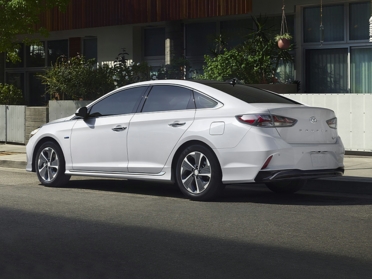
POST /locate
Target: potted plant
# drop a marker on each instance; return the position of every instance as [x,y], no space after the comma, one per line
[283,40]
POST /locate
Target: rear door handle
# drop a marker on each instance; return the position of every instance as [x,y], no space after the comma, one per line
[177,124]
[119,128]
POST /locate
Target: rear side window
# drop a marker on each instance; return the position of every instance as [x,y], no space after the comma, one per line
[250,94]
[202,101]
[167,97]
[122,102]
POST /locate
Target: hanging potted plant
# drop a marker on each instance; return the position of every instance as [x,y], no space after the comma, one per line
[284,40]
[284,37]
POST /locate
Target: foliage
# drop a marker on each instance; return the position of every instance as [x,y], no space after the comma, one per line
[175,70]
[10,95]
[77,78]
[20,17]
[283,36]
[256,60]
[126,72]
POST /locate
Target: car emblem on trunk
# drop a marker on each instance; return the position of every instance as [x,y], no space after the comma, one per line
[313,119]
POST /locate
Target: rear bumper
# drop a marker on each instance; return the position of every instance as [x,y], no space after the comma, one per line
[270,176]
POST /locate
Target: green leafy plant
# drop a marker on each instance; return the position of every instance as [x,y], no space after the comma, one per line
[77,78]
[10,95]
[256,60]
[286,36]
[127,72]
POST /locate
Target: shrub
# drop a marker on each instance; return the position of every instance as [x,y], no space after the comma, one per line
[10,95]
[77,78]
[256,60]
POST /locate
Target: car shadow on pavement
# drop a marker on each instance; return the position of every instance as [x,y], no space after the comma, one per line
[242,193]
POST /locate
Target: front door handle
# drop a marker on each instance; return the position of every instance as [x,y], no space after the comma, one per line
[177,124]
[119,128]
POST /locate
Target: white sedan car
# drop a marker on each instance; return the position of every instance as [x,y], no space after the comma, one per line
[201,135]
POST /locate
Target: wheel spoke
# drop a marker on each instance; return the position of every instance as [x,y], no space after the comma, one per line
[186,165]
[42,171]
[187,182]
[50,174]
[205,171]
[200,184]
[42,158]
[197,156]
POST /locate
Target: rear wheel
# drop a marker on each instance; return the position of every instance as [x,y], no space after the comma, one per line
[50,165]
[286,187]
[198,173]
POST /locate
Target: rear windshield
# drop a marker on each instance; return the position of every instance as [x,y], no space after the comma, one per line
[250,94]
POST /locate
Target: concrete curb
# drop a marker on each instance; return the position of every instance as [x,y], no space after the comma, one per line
[13,164]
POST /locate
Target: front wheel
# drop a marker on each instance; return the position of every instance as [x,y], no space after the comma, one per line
[198,173]
[286,187]
[50,165]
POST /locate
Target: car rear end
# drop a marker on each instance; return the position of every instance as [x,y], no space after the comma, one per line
[285,140]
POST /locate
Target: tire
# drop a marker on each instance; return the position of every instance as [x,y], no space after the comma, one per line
[198,173]
[286,187]
[50,165]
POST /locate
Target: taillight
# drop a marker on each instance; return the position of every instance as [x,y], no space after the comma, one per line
[266,120]
[332,123]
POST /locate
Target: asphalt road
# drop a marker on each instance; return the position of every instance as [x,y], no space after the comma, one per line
[119,229]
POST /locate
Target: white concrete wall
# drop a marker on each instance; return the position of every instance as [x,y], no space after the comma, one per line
[354,116]
[15,124]
[60,109]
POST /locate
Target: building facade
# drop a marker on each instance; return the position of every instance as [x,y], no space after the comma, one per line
[157,31]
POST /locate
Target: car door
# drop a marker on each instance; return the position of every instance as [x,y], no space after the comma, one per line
[99,142]
[167,113]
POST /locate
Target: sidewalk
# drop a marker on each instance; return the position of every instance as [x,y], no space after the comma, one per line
[357,178]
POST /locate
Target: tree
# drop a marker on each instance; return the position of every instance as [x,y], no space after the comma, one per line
[20,17]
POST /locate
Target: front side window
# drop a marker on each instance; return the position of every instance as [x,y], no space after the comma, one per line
[166,98]
[122,102]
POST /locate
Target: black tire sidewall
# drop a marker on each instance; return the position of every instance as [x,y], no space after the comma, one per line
[215,185]
[60,178]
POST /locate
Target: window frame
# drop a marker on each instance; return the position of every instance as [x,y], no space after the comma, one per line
[118,91]
[142,105]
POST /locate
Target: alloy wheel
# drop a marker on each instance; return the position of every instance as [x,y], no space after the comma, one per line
[48,164]
[196,172]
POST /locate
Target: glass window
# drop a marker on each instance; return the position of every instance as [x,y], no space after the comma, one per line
[234,31]
[17,79]
[249,94]
[166,97]
[55,50]
[326,70]
[333,22]
[361,70]
[90,48]
[19,64]
[36,90]
[35,55]
[122,102]
[359,21]
[154,41]
[200,38]
[202,101]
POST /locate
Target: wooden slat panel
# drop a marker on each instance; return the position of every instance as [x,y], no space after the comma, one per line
[94,13]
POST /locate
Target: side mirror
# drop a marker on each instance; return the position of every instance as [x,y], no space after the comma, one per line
[82,112]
